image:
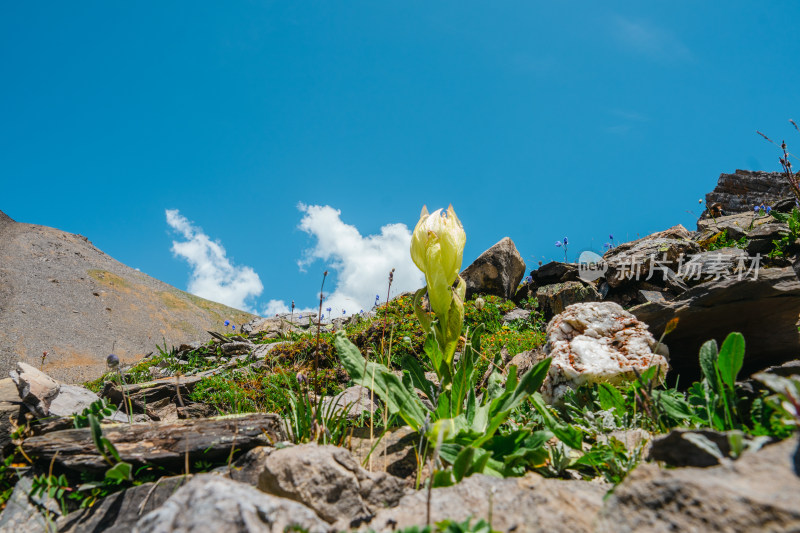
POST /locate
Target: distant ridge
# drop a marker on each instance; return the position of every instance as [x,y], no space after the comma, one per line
[60,294]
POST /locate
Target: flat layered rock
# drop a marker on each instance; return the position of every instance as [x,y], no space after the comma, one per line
[159,443]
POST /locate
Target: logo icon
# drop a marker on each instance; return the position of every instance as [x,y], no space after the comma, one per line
[591,266]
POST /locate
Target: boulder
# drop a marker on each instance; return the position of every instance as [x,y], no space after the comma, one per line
[553,299]
[532,504]
[516,314]
[740,191]
[23,514]
[713,265]
[394,453]
[650,258]
[675,449]
[597,342]
[496,271]
[120,511]
[554,272]
[758,492]
[764,310]
[330,481]
[761,239]
[210,503]
[36,388]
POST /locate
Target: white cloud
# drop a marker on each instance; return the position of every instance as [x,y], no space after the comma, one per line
[213,275]
[647,39]
[362,264]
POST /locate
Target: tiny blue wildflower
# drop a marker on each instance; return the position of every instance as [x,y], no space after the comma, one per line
[323,316]
[565,240]
[227,322]
[529,279]
[611,237]
[559,244]
[756,208]
[344,312]
[233,326]
[301,316]
[607,245]
[328,309]
[769,209]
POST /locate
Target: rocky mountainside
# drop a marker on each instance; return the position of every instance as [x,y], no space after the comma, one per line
[60,294]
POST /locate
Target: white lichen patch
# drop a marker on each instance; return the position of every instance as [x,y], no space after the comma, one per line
[596,342]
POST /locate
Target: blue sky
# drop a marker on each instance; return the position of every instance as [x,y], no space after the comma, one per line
[536,120]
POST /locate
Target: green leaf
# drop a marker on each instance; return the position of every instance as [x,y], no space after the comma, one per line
[417,375]
[674,407]
[708,363]
[380,380]
[119,472]
[569,435]
[731,358]
[463,463]
[611,398]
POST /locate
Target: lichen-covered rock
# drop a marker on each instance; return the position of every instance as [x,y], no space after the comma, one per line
[597,342]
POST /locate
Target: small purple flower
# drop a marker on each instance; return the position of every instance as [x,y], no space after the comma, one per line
[323,316]
[607,245]
[565,241]
[756,208]
[769,209]
[112,361]
[344,312]
[328,309]
[528,279]
[559,244]
[227,323]
[301,316]
[233,327]
[611,237]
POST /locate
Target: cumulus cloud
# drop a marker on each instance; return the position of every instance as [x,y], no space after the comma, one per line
[213,275]
[362,263]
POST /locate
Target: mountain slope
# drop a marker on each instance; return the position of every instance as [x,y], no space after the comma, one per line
[61,294]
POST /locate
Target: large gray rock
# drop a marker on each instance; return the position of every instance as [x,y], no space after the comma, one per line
[764,310]
[496,271]
[24,514]
[36,389]
[597,342]
[531,504]
[120,511]
[758,492]
[553,299]
[649,257]
[329,480]
[743,189]
[211,504]
[355,401]
[713,265]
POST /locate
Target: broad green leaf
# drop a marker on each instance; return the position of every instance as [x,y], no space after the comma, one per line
[611,398]
[417,375]
[119,472]
[463,463]
[708,363]
[731,357]
[380,380]
[675,407]
[569,435]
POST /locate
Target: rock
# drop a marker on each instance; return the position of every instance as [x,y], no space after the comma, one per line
[713,265]
[210,504]
[648,258]
[237,348]
[329,480]
[22,514]
[597,342]
[761,239]
[120,511]
[261,350]
[740,191]
[764,310]
[36,389]
[516,314]
[758,492]
[355,400]
[675,449]
[554,272]
[496,271]
[653,296]
[553,299]
[158,443]
[394,453]
[736,226]
[274,327]
[9,412]
[531,504]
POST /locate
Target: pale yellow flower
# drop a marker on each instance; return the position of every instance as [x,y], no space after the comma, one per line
[437,248]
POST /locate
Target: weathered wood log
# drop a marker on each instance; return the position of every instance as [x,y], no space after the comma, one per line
[164,444]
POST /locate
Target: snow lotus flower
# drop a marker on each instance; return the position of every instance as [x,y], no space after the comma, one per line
[437,248]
